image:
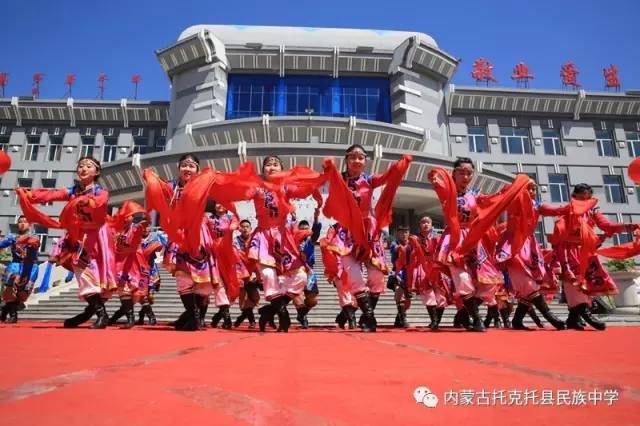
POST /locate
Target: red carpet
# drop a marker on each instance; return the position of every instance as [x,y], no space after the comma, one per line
[155,376]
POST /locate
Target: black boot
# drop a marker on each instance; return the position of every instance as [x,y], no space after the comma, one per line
[4,312]
[397,323]
[151,315]
[471,304]
[439,313]
[266,316]
[351,316]
[190,318]
[251,318]
[534,317]
[85,316]
[518,317]
[118,314]
[101,312]
[433,316]
[402,312]
[542,306]
[584,312]
[504,314]
[241,317]
[130,314]
[492,315]
[573,320]
[202,305]
[284,321]
[302,317]
[369,319]
[461,320]
[226,317]
[13,312]
[342,318]
[141,315]
[215,319]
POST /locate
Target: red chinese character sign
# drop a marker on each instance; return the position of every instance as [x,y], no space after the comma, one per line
[611,80]
[569,73]
[522,75]
[482,71]
[4,79]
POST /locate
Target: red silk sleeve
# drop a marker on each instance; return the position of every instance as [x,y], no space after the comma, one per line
[606,225]
[41,196]
[495,205]
[445,189]
[548,210]
[341,206]
[393,177]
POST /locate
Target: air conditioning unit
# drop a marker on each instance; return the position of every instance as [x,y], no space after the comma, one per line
[494,140]
[543,188]
[458,139]
[537,142]
[579,143]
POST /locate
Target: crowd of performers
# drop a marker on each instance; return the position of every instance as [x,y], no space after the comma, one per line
[487,253]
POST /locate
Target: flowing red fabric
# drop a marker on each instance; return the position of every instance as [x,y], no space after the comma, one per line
[158,195]
[226,260]
[32,214]
[489,209]
[521,220]
[622,251]
[445,189]
[128,209]
[341,206]
[68,218]
[383,210]
[573,224]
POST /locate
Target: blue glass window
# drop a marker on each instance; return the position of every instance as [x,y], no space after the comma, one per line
[254,95]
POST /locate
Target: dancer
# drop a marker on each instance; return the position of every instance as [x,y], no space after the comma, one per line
[19,276]
[187,257]
[309,299]
[349,202]
[87,247]
[249,295]
[575,242]
[397,280]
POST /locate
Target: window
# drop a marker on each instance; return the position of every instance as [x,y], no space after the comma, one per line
[49,183]
[606,147]
[41,232]
[613,189]
[140,145]
[539,232]
[559,188]
[55,148]
[109,149]
[552,142]
[25,180]
[254,95]
[159,144]
[633,141]
[4,143]
[88,143]
[515,140]
[478,140]
[33,145]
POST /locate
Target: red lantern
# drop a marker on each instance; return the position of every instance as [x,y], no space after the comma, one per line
[634,170]
[5,162]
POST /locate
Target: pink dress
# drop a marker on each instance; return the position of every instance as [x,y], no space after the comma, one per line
[91,258]
[193,274]
[476,262]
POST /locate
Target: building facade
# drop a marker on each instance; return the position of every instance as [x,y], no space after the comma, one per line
[239,93]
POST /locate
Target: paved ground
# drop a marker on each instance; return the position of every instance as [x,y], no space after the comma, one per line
[157,376]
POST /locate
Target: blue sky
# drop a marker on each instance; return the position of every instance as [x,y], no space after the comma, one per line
[120,37]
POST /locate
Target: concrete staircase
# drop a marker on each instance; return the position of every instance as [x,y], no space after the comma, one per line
[168,306]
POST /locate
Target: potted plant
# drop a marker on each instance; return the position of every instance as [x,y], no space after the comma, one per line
[626,275]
